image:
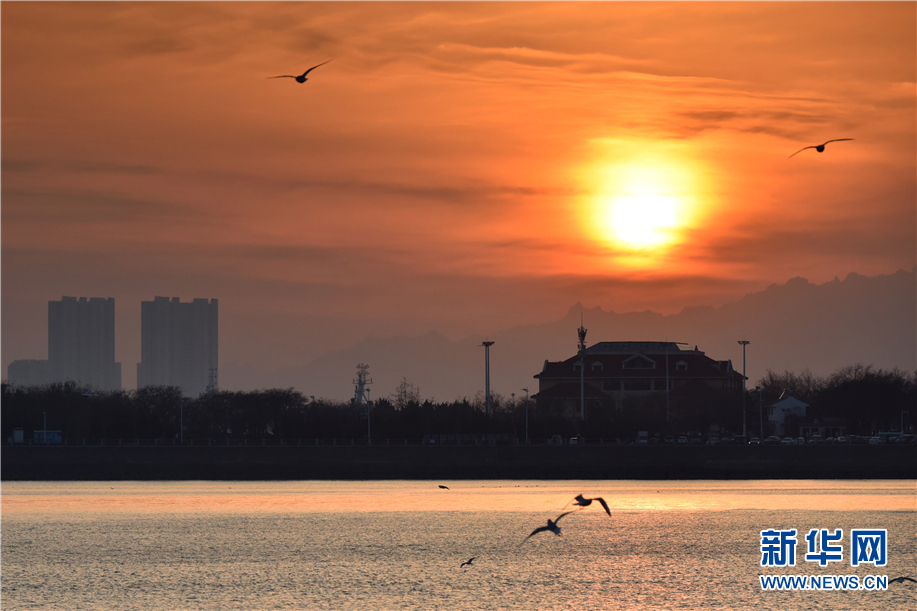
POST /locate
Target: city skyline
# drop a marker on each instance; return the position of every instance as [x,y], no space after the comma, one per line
[458,168]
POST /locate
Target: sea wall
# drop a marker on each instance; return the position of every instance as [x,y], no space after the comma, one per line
[49,463]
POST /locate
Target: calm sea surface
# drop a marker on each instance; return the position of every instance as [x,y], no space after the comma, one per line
[398,545]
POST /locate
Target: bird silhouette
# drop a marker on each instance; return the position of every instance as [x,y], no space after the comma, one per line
[444,487]
[468,562]
[902,579]
[818,147]
[584,502]
[302,77]
[552,526]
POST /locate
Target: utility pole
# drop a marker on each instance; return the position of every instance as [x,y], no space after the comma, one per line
[744,343]
[487,346]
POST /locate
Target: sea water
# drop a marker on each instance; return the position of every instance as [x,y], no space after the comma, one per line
[399,544]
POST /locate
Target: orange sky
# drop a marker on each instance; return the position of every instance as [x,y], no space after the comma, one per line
[462,167]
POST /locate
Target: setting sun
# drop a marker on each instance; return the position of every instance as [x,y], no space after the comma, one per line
[645,201]
[643,221]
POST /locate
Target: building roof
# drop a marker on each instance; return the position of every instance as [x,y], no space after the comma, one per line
[641,347]
[640,360]
[790,403]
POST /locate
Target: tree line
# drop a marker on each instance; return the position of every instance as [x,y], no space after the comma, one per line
[866,399]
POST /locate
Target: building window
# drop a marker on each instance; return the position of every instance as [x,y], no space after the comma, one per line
[637,385]
[597,366]
[681,366]
[638,361]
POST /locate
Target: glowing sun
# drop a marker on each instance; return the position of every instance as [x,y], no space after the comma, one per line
[643,221]
[644,204]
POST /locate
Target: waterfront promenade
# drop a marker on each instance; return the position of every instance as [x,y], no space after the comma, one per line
[401,459]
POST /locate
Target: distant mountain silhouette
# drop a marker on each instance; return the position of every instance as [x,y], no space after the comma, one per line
[869,320]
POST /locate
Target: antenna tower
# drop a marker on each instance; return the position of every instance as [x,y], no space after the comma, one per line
[360,391]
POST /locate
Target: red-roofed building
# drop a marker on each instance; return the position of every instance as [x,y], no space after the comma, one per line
[614,370]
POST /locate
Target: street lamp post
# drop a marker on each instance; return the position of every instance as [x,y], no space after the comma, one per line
[761,411]
[526,415]
[744,343]
[581,333]
[487,346]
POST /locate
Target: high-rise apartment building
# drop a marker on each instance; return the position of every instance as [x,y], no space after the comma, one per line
[81,342]
[178,344]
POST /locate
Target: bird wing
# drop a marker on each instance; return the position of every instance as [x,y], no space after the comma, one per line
[314,67]
[604,505]
[540,529]
[801,150]
[283,76]
[444,487]
[837,140]
[566,513]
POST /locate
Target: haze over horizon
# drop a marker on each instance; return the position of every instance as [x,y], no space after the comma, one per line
[463,168]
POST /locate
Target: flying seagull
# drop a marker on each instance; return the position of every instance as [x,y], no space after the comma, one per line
[467,562]
[444,487]
[818,147]
[552,526]
[902,579]
[584,502]
[302,77]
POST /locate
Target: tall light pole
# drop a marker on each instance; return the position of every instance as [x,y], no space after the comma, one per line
[744,343]
[526,415]
[582,371]
[761,411]
[487,346]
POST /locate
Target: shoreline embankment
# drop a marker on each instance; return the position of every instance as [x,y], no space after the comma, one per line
[422,462]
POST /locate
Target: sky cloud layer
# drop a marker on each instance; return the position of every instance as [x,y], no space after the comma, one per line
[457,167]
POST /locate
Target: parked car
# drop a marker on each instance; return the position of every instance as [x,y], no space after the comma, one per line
[788,441]
[800,441]
[772,440]
[875,441]
[816,439]
[843,439]
[577,440]
[754,441]
[906,439]
[682,439]
[555,440]
[830,440]
[669,439]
